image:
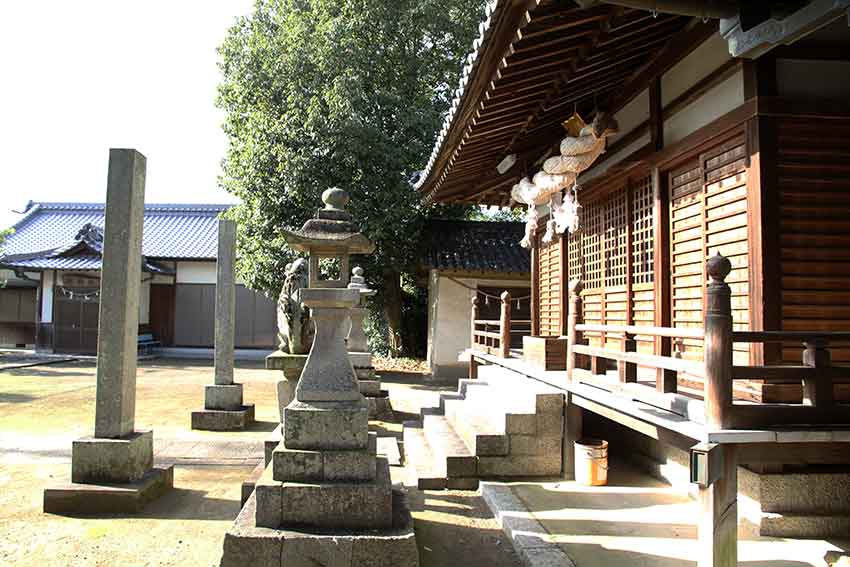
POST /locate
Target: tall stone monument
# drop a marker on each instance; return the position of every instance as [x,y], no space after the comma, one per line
[113,470]
[223,407]
[377,400]
[326,498]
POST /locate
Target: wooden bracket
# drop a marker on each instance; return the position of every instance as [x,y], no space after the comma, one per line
[706,464]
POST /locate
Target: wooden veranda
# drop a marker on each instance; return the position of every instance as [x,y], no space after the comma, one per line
[703,298]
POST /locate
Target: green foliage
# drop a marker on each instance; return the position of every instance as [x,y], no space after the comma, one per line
[322,93]
[501,215]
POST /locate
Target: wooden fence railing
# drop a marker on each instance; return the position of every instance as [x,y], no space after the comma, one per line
[493,336]
[717,371]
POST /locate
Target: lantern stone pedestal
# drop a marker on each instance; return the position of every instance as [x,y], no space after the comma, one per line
[325,499]
[291,365]
[377,400]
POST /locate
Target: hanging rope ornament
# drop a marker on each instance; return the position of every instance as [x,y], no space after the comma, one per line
[81,295]
[487,296]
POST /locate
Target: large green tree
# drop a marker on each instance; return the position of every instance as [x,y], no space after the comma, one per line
[347,93]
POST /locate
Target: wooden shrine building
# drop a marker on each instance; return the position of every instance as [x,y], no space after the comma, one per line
[704,300]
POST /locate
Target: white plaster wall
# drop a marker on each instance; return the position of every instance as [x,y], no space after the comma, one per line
[145,302]
[613,160]
[716,102]
[632,115]
[710,55]
[449,314]
[433,291]
[813,79]
[47,297]
[198,273]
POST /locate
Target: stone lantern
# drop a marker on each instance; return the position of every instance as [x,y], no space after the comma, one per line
[326,497]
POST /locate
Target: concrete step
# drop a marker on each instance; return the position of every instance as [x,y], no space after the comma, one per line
[447,445]
[430,472]
[805,526]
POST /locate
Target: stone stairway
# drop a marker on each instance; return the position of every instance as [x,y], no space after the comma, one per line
[501,424]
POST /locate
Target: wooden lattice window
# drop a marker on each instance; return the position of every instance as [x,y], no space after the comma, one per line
[616,239]
[591,246]
[576,260]
[643,235]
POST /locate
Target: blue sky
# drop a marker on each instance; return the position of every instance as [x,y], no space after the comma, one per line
[81,77]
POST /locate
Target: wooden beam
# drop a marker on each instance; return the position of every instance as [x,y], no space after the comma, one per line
[656,115]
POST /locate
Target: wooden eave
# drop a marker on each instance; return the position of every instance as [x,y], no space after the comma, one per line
[540,61]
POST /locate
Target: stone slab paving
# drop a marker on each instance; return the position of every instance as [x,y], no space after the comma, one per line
[634,521]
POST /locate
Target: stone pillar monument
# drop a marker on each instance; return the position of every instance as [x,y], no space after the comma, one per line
[325,498]
[223,408]
[377,400]
[113,471]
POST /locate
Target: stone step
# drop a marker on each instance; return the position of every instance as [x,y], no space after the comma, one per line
[805,526]
[447,445]
[818,493]
[480,434]
[249,483]
[388,447]
[430,472]
[520,465]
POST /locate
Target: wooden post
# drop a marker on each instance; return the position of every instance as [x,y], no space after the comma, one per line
[505,325]
[535,288]
[572,433]
[627,371]
[573,319]
[718,522]
[718,344]
[473,367]
[474,317]
[817,389]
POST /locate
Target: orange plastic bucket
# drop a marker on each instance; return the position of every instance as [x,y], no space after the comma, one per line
[591,462]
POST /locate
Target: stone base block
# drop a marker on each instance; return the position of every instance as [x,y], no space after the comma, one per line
[520,465]
[131,497]
[124,460]
[291,364]
[326,425]
[369,387]
[249,483]
[298,465]
[365,373]
[223,420]
[379,406]
[223,396]
[359,505]
[360,359]
[271,443]
[247,544]
[285,394]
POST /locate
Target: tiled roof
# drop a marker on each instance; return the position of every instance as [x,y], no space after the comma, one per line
[476,246]
[171,231]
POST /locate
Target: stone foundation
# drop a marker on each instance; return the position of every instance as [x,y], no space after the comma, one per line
[223,420]
[123,460]
[123,498]
[247,544]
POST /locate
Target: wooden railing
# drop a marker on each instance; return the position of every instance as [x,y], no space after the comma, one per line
[493,336]
[716,371]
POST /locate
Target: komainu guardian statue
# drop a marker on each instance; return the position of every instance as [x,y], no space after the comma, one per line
[295,330]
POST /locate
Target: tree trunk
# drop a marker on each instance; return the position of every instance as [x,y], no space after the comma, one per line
[392,310]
